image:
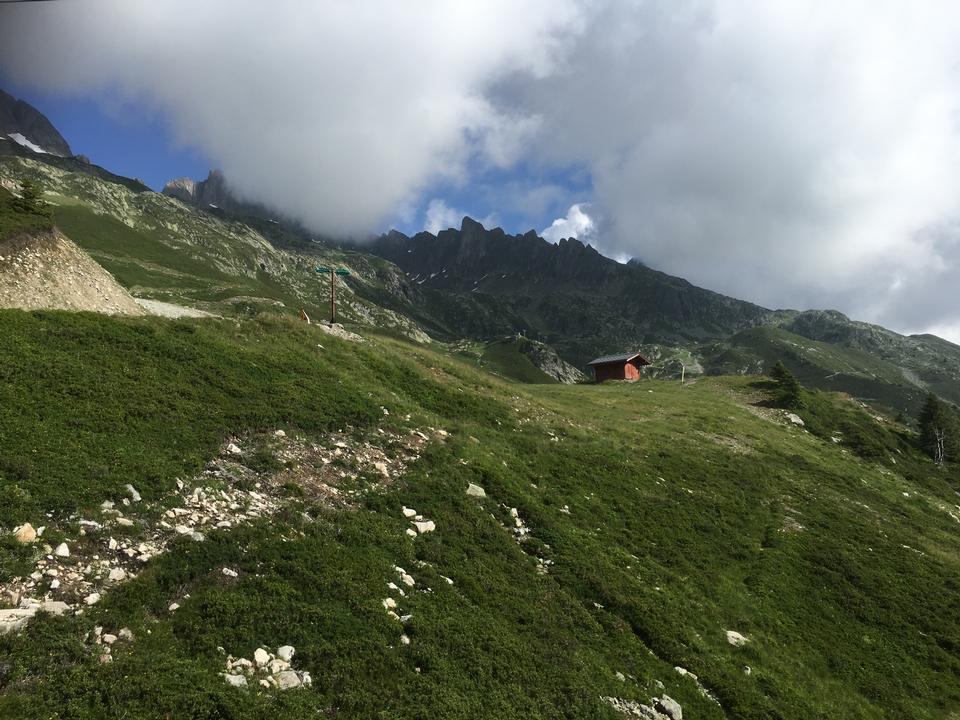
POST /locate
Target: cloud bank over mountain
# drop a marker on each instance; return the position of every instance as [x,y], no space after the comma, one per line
[791,153]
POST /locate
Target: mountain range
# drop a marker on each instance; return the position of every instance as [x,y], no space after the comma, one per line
[463,284]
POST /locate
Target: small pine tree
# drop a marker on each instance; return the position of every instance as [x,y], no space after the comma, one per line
[789,390]
[29,200]
[939,435]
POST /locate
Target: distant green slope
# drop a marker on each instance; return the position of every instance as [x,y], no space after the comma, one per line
[817,364]
[666,515]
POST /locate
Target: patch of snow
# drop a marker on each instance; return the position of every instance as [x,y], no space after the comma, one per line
[21,140]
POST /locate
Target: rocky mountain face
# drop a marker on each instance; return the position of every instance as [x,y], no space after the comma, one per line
[212,192]
[567,294]
[22,123]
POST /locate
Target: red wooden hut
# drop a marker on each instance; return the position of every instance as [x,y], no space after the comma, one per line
[618,367]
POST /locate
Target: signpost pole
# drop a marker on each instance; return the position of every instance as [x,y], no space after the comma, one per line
[333,298]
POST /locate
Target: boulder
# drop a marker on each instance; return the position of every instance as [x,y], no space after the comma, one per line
[476,491]
[92,599]
[736,639]
[117,574]
[25,533]
[62,550]
[235,680]
[287,679]
[409,512]
[132,492]
[669,707]
[424,526]
[285,652]
[261,657]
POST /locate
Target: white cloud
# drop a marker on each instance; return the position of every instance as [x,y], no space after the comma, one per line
[336,113]
[790,153]
[576,224]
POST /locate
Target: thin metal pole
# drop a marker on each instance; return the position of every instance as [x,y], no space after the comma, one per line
[333,296]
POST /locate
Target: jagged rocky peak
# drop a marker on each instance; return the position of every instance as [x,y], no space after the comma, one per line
[23,124]
[204,193]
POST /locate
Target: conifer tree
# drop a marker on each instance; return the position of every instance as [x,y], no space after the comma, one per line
[789,391]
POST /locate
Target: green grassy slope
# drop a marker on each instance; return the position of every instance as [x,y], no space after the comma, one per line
[670,515]
[819,365]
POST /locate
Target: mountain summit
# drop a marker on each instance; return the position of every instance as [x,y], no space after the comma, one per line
[22,123]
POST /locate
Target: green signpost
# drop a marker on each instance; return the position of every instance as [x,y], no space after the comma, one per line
[342,272]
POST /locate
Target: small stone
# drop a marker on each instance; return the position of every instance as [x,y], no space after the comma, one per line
[305,679]
[117,574]
[125,522]
[287,679]
[261,657]
[132,492]
[113,544]
[425,526]
[409,512]
[125,634]
[279,434]
[109,638]
[620,676]
[25,533]
[106,658]
[174,607]
[228,572]
[736,639]
[92,599]
[285,652]
[389,603]
[106,505]
[411,532]
[476,491]
[408,580]
[747,670]
[795,419]
[404,639]
[54,584]
[235,680]
[381,467]
[234,449]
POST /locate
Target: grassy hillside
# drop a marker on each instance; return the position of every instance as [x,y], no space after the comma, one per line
[818,364]
[625,529]
[162,249]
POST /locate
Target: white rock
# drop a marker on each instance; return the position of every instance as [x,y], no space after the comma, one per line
[285,652]
[174,607]
[106,505]
[736,639]
[287,679]
[795,419]
[261,657]
[125,634]
[132,492]
[109,638]
[235,680]
[126,522]
[408,580]
[63,550]
[305,679]
[54,584]
[669,707]
[234,449]
[92,599]
[277,666]
[279,434]
[117,574]
[382,468]
[411,532]
[425,526]
[389,603]
[476,491]
[404,639]
[113,544]
[228,572]
[409,512]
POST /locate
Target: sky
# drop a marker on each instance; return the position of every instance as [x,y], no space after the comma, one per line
[792,153]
